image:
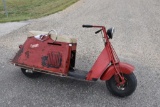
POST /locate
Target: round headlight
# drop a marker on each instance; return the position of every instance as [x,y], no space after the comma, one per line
[110,32]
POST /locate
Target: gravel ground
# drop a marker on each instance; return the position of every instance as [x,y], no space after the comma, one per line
[11,26]
[136,41]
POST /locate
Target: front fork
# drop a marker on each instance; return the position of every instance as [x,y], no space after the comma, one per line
[120,80]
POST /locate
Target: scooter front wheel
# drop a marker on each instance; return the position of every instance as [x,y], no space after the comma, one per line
[124,90]
[31,74]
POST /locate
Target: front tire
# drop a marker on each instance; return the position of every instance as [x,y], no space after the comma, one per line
[122,91]
[30,73]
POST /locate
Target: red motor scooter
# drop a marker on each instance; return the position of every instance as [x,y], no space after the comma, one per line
[44,52]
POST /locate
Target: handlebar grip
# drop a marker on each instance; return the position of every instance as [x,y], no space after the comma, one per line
[87,26]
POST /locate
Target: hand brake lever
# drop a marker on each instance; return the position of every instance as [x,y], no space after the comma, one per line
[98,31]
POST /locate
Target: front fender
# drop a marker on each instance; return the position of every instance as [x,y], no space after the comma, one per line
[123,67]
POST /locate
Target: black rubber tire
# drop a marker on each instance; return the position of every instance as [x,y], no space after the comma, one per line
[128,89]
[31,75]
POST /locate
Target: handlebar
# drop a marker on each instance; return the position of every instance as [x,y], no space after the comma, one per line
[87,26]
[102,29]
[90,26]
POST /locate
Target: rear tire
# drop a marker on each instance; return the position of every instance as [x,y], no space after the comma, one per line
[31,74]
[122,91]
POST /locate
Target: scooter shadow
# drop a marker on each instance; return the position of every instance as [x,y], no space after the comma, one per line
[64,80]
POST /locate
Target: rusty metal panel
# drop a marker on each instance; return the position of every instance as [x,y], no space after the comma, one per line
[47,55]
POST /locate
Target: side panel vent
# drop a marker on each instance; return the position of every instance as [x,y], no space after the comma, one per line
[52,60]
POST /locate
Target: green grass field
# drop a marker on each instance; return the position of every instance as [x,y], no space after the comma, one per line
[28,9]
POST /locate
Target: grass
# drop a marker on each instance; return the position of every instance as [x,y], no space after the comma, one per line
[19,10]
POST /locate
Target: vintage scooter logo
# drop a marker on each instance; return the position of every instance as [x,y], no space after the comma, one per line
[34,45]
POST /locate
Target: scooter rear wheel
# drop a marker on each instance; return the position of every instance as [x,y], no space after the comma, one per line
[122,91]
[30,73]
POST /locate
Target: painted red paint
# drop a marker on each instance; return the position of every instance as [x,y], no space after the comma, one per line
[44,55]
[58,57]
[100,65]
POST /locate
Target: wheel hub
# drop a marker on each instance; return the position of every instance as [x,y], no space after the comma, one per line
[29,71]
[120,80]
[122,87]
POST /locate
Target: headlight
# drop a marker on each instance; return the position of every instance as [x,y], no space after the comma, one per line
[110,32]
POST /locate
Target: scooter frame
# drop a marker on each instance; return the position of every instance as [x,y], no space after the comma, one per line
[106,65]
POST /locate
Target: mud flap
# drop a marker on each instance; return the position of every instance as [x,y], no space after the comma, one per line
[123,67]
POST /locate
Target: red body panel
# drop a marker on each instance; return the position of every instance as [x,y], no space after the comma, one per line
[44,55]
[122,67]
[100,65]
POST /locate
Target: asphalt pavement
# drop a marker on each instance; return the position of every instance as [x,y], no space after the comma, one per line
[136,41]
[6,28]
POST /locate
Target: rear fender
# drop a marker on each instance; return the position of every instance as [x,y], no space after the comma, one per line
[123,67]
